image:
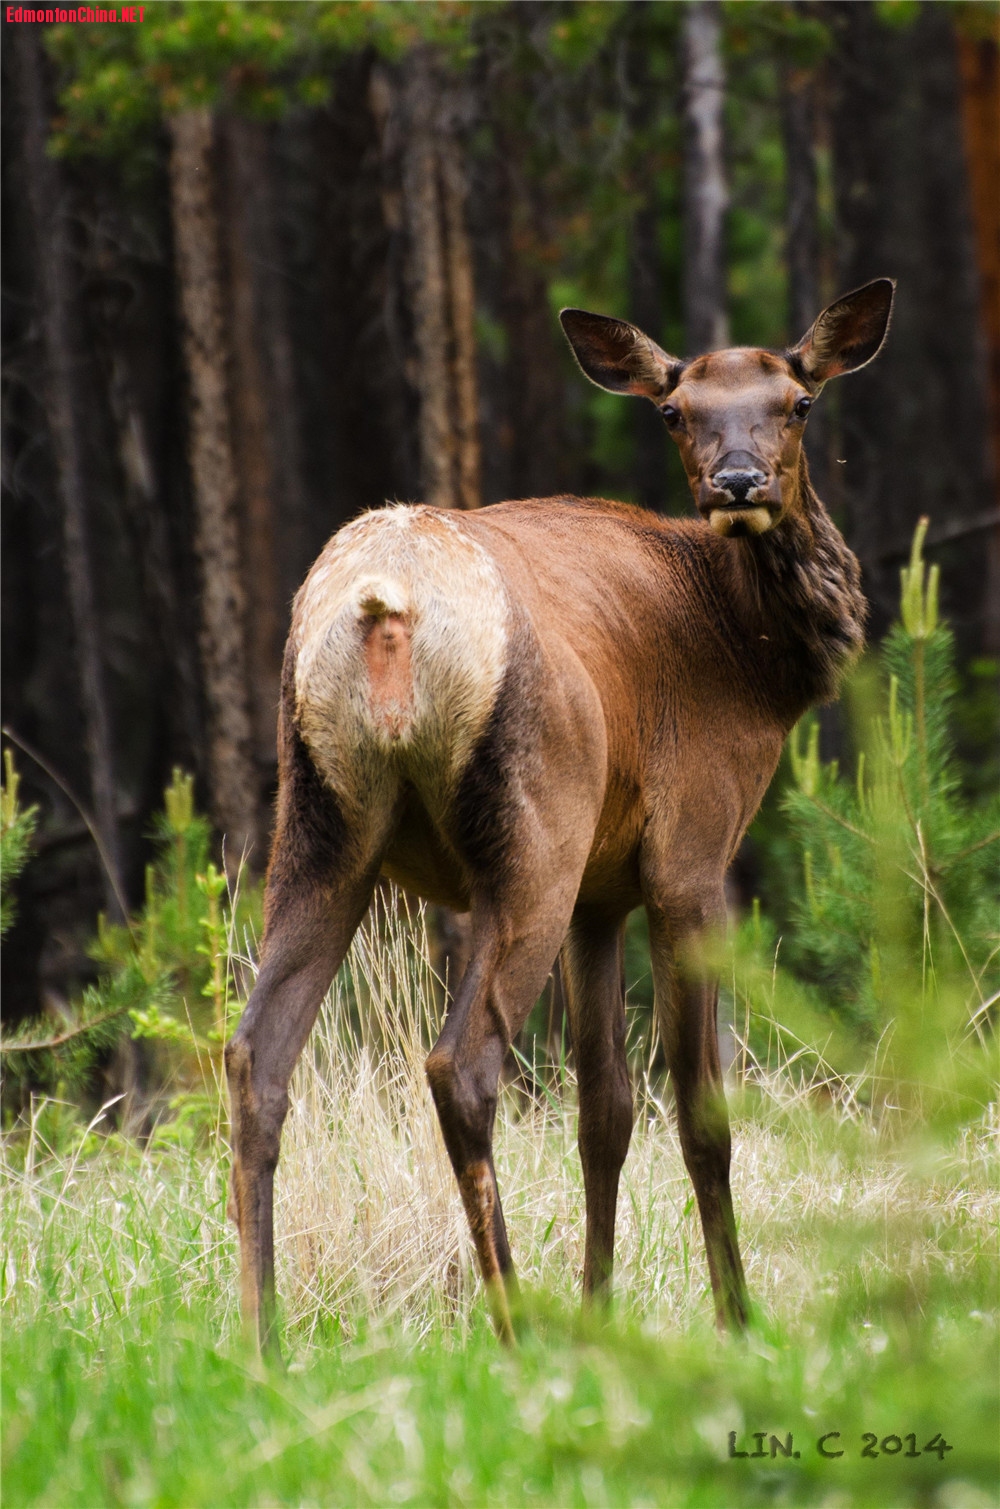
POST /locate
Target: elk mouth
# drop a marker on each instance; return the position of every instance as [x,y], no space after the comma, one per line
[734,518]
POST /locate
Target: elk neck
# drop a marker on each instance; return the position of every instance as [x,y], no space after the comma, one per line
[797,594]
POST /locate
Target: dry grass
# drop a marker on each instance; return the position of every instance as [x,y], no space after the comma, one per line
[370,1225]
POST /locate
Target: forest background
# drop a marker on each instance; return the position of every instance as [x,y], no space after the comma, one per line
[268,265]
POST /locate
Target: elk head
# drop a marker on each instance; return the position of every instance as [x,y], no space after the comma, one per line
[738,416]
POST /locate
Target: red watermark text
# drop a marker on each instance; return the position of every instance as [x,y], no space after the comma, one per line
[131,15]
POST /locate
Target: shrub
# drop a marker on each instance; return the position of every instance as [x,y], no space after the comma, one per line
[890,962]
[17,827]
[166,978]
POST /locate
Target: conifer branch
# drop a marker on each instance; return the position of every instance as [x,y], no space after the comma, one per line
[79,1029]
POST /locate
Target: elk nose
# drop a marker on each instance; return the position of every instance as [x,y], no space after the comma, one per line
[738,481]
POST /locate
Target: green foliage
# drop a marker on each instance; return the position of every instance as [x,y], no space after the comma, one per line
[182,949]
[121,80]
[63,1061]
[260,59]
[893,936]
[34,1054]
[17,827]
[785,30]
[897,13]
[167,976]
[977,725]
[580,33]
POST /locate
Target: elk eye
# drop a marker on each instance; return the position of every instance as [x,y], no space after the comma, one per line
[671,416]
[802,408]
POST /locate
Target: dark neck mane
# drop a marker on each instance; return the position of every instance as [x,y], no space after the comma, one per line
[799,586]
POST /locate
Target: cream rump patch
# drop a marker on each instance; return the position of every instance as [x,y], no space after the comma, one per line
[415,571]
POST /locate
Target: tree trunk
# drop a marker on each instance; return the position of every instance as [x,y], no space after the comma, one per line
[531,454]
[914,425]
[645,274]
[196,239]
[802,239]
[175,662]
[64,406]
[979,67]
[442,292]
[429,287]
[798,120]
[276,345]
[462,300]
[247,221]
[705,196]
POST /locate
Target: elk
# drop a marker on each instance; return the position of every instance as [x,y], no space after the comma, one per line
[547,713]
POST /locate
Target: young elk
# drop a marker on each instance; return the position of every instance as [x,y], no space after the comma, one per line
[547,713]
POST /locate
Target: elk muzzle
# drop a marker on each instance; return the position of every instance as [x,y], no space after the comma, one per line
[740,496]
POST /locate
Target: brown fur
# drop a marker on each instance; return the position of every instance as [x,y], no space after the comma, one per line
[639,676]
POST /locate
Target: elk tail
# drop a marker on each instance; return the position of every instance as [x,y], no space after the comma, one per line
[384,611]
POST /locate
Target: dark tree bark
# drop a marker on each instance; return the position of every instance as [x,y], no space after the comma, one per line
[979,65]
[705,194]
[249,216]
[645,273]
[531,422]
[528,450]
[428,280]
[64,404]
[913,425]
[224,668]
[799,111]
[342,312]
[462,311]
[798,120]
[424,119]
[269,265]
[130,336]
[420,113]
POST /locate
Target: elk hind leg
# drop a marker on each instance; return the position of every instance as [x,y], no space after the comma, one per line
[595,997]
[687,1001]
[511,959]
[310,924]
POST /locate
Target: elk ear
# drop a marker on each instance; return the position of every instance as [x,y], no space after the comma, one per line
[618,357]
[849,333]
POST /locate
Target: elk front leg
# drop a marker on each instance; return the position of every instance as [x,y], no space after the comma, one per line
[687,1001]
[310,927]
[595,999]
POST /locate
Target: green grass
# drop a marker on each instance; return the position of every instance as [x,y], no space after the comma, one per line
[125,1380]
[165,1416]
[870,1251]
